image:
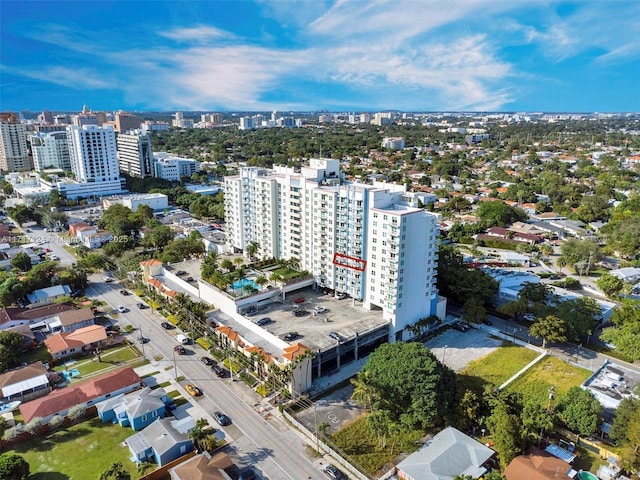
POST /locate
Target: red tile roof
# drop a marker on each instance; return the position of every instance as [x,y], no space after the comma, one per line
[149,263]
[78,338]
[294,351]
[82,392]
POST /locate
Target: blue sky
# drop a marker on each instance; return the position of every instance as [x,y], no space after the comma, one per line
[362,55]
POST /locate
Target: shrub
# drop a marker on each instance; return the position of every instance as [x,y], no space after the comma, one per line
[34,426]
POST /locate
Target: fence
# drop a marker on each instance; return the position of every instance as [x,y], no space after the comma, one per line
[323,446]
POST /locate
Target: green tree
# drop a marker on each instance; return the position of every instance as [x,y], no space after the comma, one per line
[21,261]
[630,453]
[158,236]
[410,383]
[580,411]
[537,420]
[575,251]
[505,428]
[549,329]
[535,292]
[11,346]
[498,214]
[610,285]
[581,316]
[115,472]
[13,467]
[622,422]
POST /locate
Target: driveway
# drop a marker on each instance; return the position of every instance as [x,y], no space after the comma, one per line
[456,349]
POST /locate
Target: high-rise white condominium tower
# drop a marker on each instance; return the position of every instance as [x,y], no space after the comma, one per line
[93,152]
[14,154]
[371,242]
[50,150]
[135,153]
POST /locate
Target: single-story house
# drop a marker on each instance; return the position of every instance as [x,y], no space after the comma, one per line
[447,454]
[97,239]
[72,320]
[537,464]
[87,392]
[28,336]
[627,274]
[24,383]
[61,345]
[45,296]
[76,228]
[137,409]
[204,467]
[34,317]
[159,442]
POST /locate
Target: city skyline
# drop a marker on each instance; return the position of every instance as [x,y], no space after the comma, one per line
[339,56]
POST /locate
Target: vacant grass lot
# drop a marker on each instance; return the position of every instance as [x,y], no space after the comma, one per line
[111,356]
[499,365]
[361,445]
[82,451]
[535,382]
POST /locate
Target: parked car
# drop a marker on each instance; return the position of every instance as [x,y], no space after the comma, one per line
[333,472]
[208,361]
[54,257]
[221,418]
[486,321]
[300,313]
[179,349]
[264,321]
[167,326]
[219,371]
[106,279]
[460,327]
[142,339]
[291,336]
[193,390]
[335,336]
[319,309]
[122,309]
[181,272]
[299,300]
[141,305]
[125,292]
[341,295]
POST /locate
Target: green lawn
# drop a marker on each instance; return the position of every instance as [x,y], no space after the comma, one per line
[80,452]
[549,371]
[286,273]
[500,365]
[361,445]
[115,355]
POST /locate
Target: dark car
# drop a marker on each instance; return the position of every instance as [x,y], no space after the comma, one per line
[207,361]
[248,474]
[166,326]
[222,419]
[181,272]
[333,472]
[300,313]
[264,321]
[141,305]
[458,326]
[219,371]
[179,349]
[291,336]
[486,321]
[125,292]
[335,336]
[142,339]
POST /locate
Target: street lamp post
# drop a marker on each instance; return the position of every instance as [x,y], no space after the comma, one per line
[315,413]
[175,366]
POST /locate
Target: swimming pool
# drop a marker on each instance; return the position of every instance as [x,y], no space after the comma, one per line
[245,282]
[582,475]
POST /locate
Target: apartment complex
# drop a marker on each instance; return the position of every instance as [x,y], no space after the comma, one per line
[173,168]
[135,153]
[94,161]
[370,242]
[50,150]
[14,154]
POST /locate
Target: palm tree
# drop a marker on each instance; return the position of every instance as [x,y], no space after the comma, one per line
[252,249]
[561,262]
[199,433]
[262,280]
[363,392]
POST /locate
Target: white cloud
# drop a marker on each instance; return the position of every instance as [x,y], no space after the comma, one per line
[200,34]
[77,78]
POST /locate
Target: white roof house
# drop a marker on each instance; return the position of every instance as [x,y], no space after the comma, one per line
[446,455]
[627,274]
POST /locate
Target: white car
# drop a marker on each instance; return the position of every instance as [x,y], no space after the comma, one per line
[319,309]
[122,309]
[54,257]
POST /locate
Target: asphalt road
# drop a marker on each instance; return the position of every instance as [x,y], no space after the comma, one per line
[277,452]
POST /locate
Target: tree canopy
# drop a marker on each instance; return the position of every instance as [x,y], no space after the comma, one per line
[13,467]
[580,411]
[408,382]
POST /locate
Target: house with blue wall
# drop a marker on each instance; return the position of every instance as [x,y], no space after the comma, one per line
[161,442]
[137,409]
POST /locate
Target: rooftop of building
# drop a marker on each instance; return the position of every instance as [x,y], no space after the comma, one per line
[613,382]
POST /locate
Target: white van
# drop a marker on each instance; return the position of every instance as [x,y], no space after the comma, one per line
[182,339]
